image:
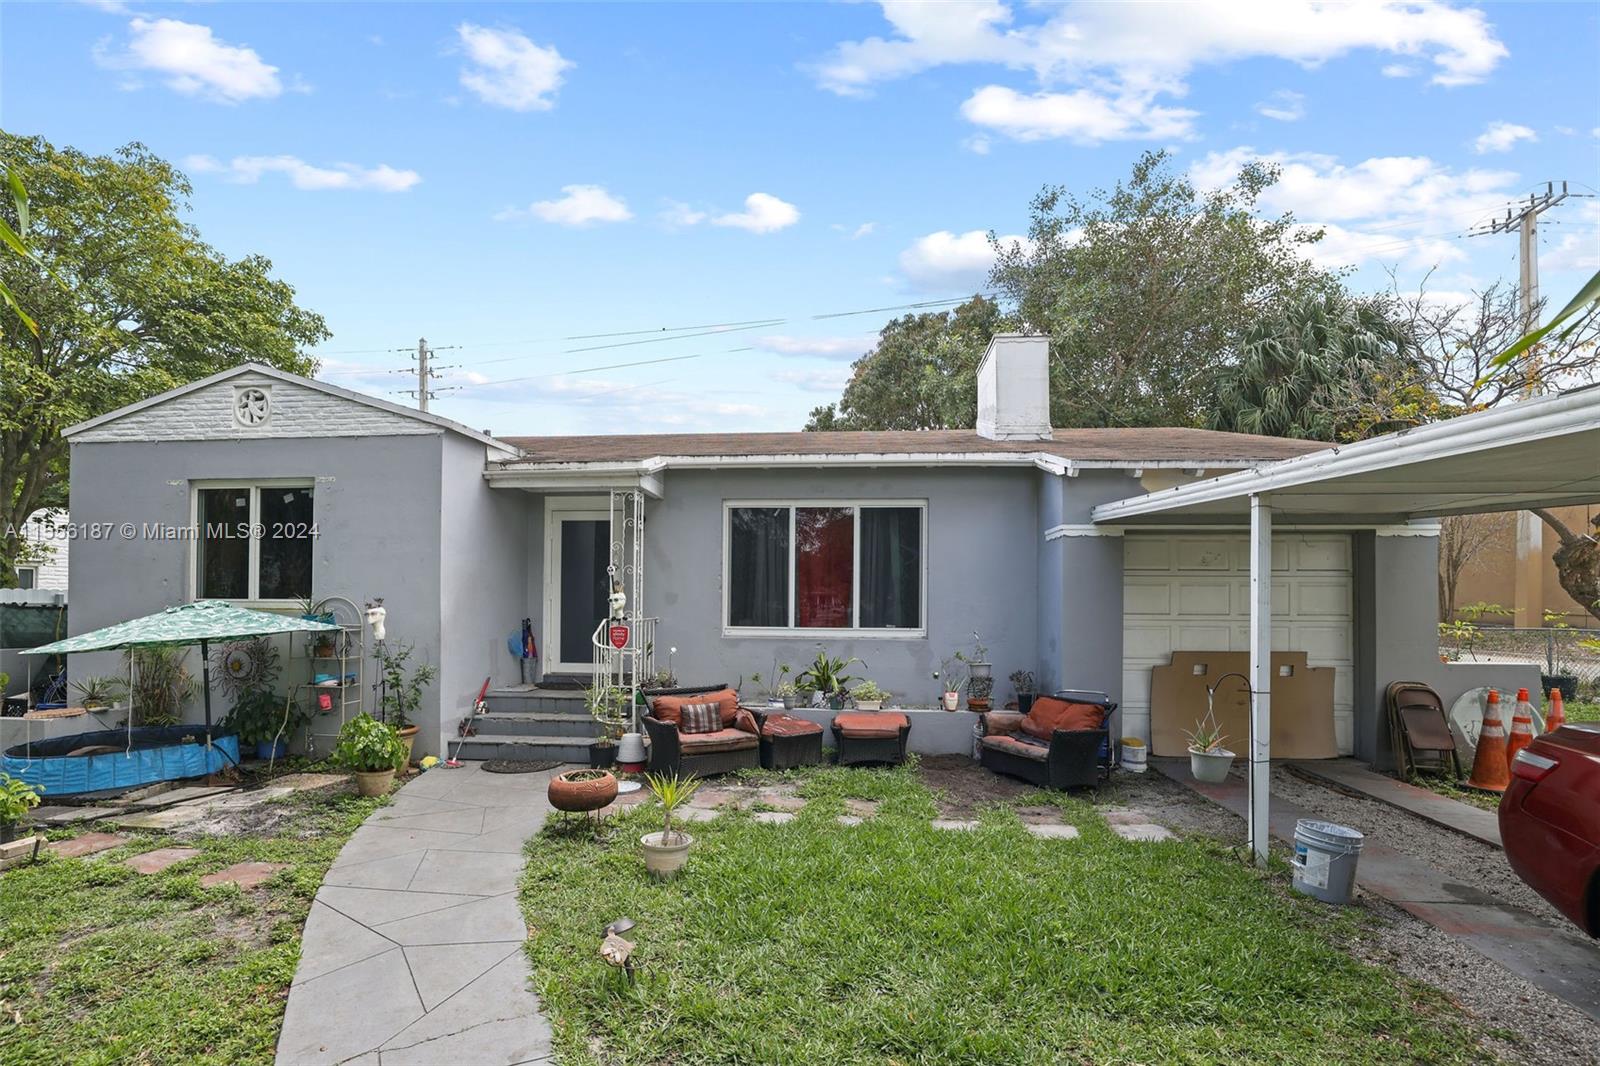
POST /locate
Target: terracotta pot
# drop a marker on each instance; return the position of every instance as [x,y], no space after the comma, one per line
[374,782]
[582,790]
[409,736]
[662,859]
[978,703]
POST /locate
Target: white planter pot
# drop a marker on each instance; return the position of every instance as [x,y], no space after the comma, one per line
[952,701]
[1210,767]
[630,749]
[665,860]
[869,705]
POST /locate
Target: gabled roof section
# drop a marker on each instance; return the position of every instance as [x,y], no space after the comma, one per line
[1174,446]
[263,370]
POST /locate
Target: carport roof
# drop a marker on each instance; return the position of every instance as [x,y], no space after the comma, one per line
[1542,452]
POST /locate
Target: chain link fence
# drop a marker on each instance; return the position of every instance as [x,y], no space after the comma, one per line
[1558,653]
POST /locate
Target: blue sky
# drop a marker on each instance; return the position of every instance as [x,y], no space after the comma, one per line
[504,178]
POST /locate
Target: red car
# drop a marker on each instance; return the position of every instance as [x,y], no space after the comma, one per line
[1550,820]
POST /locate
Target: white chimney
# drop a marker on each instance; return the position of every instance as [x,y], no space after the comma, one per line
[1014,388]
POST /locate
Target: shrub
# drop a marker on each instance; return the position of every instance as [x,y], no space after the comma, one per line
[366,746]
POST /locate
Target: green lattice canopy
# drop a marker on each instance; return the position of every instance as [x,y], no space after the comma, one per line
[188,623]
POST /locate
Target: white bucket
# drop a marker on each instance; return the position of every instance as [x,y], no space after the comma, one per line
[1135,758]
[1325,857]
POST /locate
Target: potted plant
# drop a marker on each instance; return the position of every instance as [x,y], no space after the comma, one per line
[787,694]
[17,798]
[97,693]
[950,681]
[265,721]
[400,691]
[1209,760]
[779,684]
[372,751]
[980,674]
[867,696]
[827,676]
[666,852]
[1026,688]
[608,707]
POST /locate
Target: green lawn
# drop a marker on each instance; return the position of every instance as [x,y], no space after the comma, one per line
[99,964]
[893,942]
[1583,711]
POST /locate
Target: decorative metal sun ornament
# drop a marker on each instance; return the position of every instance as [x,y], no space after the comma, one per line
[246,665]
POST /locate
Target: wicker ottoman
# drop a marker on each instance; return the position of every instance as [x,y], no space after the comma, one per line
[787,741]
[871,736]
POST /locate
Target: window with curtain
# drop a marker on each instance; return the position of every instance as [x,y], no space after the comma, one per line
[825,566]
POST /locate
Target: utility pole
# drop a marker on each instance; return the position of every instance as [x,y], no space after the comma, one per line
[422,374]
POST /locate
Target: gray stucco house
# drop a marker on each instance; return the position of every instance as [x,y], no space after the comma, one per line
[894,547]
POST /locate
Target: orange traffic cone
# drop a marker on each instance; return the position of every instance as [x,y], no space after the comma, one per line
[1558,712]
[1491,770]
[1521,727]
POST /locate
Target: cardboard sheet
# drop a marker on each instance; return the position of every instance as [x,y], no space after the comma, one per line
[1302,703]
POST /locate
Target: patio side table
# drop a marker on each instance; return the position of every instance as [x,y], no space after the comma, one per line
[871,736]
[787,741]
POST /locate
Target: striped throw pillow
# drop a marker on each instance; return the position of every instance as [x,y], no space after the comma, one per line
[701,718]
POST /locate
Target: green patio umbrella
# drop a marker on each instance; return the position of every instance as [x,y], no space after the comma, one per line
[188,623]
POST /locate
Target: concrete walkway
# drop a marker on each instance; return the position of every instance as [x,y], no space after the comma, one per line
[1554,959]
[413,949]
[1351,775]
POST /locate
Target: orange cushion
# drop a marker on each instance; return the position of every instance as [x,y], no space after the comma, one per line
[670,708]
[1049,714]
[870,724]
[721,740]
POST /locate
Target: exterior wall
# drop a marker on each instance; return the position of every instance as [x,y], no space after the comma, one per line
[484,587]
[982,552]
[297,411]
[1491,577]
[1081,644]
[1397,615]
[377,511]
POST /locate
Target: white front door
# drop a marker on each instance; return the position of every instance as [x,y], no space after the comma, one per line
[577,549]
[1191,592]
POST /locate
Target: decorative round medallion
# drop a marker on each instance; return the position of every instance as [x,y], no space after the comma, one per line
[251,406]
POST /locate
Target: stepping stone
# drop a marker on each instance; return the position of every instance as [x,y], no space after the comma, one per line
[696,814]
[774,817]
[955,824]
[711,797]
[245,800]
[246,875]
[1046,831]
[783,800]
[180,795]
[1142,831]
[849,820]
[1124,816]
[71,815]
[302,782]
[175,818]
[153,862]
[633,799]
[87,844]
[861,808]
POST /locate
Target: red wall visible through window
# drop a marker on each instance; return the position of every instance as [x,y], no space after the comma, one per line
[824,564]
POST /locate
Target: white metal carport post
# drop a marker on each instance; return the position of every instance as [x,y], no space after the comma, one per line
[1260,672]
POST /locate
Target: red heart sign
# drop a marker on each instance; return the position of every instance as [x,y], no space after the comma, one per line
[619,637]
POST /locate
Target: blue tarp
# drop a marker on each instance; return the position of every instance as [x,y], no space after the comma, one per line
[158,753]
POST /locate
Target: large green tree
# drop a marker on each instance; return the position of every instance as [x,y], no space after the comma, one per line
[1303,372]
[921,374]
[129,301]
[1147,289]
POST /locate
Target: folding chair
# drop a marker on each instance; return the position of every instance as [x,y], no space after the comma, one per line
[1420,732]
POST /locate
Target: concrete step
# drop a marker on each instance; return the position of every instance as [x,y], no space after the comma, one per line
[535,699]
[537,723]
[515,746]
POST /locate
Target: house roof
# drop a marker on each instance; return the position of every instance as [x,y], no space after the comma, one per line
[1197,446]
[295,379]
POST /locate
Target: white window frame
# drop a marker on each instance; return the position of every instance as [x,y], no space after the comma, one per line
[792,631]
[253,578]
[31,569]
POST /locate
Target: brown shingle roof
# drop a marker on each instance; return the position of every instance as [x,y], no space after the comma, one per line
[1148,445]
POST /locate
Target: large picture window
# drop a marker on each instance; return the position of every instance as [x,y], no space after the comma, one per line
[825,566]
[254,542]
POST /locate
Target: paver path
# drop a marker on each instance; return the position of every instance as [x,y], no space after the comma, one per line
[413,949]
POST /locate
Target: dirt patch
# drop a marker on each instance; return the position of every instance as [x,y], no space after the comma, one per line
[961,786]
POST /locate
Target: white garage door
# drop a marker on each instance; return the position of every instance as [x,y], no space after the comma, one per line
[1186,592]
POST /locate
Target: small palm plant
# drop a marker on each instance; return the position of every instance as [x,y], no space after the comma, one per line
[672,792]
[1206,738]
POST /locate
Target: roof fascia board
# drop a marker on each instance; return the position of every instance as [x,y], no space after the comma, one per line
[1521,423]
[1046,461]
[1242,525]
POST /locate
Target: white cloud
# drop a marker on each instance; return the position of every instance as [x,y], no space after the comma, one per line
[1285,105]
[1398,70]
[830,381]
[508,70]
[1121,57]
[192,61]
[1578,246]
[580,205]
[763,213]
[677,215]
[1082,116]
[946,261]
[1389,209]
[818,347]
[1502,137]
[248,169]
[863,230]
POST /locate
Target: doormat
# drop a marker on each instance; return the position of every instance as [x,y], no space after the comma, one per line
[519,766]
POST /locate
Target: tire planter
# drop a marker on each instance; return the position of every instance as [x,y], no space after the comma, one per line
[580,791]
[374,782]
[1211,767]
[665,860]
